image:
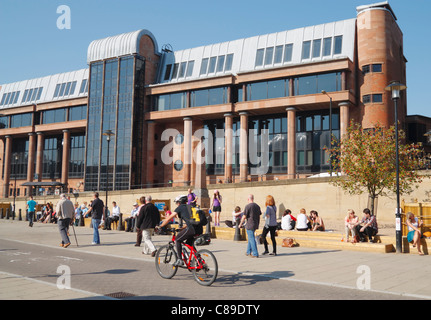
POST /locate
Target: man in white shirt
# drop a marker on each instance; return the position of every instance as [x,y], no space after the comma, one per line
[115,216]
[132,219]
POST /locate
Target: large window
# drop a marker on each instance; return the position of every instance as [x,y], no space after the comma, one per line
[316,83]
[77,156]
[52,154]
[19,166]
[21,120]
[206,97]
[170,101]
[268,89]
[53,116]
[78,113]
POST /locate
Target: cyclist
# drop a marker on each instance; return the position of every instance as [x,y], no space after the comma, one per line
[186,234]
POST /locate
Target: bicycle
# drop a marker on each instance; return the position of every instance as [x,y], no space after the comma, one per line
[201,263]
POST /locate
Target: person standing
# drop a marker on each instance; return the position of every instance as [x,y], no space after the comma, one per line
[191,198]
[31,208]
[148,219]
[97,210]
[270,216]
[251,219]
[216,206]
[64,213]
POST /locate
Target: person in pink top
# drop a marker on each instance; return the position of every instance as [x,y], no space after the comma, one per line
[350,222]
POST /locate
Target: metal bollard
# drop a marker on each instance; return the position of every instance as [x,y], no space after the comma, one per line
[1,213]
[237,236]
[120,226]
[19,215]
[7,213]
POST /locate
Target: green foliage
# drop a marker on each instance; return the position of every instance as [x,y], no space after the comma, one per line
[368,160]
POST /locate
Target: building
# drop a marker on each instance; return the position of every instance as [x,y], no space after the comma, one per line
[261,108]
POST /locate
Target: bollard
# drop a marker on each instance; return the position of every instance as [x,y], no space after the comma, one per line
[82,220]
[7,213]
[19,215]
[1,213]
[237,236]
[120,226]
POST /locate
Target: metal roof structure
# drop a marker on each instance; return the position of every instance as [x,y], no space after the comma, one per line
[116,46]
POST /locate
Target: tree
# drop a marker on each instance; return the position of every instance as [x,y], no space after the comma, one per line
[366,157]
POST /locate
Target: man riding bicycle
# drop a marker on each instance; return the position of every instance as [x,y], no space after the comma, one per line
[186,234]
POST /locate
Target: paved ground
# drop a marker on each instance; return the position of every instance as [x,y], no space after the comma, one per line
[400,275]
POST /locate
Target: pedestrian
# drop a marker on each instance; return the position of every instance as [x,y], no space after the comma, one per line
[78,213]
[270,226]
[148,219]
[415,235]
[369,226]
[302,223]
[31,208]
[64,212]
[216,207]
[251,220]
[97,210]
[138,227]
[191,198]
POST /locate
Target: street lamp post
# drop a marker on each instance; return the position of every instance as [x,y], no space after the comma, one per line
[330,131]
[395,88]
[16,158]
[108,134]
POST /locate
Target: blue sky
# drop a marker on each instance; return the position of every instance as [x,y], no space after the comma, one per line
[32,46]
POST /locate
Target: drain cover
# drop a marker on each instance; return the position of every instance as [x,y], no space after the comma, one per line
[120,295]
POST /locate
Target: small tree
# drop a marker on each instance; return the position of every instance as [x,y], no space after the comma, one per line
[368,160]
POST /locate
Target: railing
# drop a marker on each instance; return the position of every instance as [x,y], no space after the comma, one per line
[421,210]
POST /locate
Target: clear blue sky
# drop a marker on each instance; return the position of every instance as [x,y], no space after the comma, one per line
[32,46]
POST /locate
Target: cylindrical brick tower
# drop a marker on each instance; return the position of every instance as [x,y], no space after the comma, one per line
[380,61]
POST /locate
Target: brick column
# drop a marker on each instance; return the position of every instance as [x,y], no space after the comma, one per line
[291,143]
[31,158]
[7,166]
[39,155]
[151,125]
[188,124]
[228,141]
[243,147]
[65,158]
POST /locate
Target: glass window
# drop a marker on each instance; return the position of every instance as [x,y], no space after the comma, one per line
[259,57]
[39,93]
[288,50]
[178,100]
[306,85]
[211,68]
[24,97]
[83,86]
[190,66]
[377,98]
[327,45]
[278,54]
[338,44]
[365,69]
[78,113]
[316,48]
[257,91]
[182,70]
[229,61]
[178,165]
[377,67]
[175,72]
[327,82]
[276,89]
[4,122]
[66,92]
[204,66]
[168,72]
[220,63]
[306,49]
[3,99]
[366,98]
[269,55]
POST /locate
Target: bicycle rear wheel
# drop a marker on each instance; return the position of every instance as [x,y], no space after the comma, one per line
[205,269]
[165,259]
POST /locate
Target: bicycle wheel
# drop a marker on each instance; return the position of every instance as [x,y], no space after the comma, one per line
[165,259]
[205,270]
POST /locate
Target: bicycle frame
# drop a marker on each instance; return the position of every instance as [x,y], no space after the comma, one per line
[192,253]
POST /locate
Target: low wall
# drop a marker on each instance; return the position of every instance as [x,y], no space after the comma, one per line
[312,194]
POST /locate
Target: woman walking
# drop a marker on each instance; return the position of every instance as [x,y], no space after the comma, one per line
[270,216]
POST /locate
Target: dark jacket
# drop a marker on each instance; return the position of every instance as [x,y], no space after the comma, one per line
[148,217]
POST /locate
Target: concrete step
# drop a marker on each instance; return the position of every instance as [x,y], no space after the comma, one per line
[408,247]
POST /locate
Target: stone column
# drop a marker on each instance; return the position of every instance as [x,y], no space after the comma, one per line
[291,143]
[344,118]
[7,166]
[65,159]
[243,147]
[188,123]
[151,125]
[39,155]
[31,158]
[228,141]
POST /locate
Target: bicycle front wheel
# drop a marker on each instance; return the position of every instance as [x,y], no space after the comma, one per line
[165,259]
[205,267]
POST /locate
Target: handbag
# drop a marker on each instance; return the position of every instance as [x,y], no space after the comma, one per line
[289,243]
[259,239]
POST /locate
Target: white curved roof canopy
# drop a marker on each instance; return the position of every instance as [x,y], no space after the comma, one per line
[119,45]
